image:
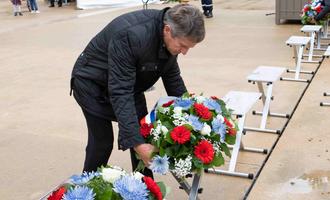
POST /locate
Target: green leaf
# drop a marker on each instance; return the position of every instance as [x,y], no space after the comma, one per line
[140,166]
[102,189]
[225,149]
[230,139]
[197,163]
[169,151]
[168,138]
[168,125]
[161,151]
[218,160]
[163,188]
[183,151]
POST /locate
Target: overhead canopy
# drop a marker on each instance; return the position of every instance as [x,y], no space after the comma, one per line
[88,4]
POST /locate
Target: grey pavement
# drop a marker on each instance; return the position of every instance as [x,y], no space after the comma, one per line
[43,132]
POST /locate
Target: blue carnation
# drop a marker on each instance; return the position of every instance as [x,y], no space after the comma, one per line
[160,164]
[212,105]
[84,178]
[79,192]
[131,188]
[310,13]
[219,128]
[184,103]
[195,123]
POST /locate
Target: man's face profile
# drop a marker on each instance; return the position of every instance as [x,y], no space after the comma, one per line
[176,45]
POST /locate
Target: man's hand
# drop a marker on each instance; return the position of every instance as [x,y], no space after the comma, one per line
[145,151]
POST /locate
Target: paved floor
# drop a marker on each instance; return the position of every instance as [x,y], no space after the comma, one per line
[43,133]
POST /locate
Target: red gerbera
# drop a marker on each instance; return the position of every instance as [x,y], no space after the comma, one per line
[204,152]
[180,134]
[145,129]
[58,194]
[153,187]
[168,103]
[202,111]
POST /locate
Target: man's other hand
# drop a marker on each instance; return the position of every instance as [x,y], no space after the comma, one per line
[145,151]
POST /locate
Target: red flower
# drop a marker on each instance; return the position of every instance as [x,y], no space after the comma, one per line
[145,129]
[227,122]
[232,131]
[180,134]
[153,187]
[214,98]
[58,194]
[204,152]
[318,8]
[168,103]
[202,111]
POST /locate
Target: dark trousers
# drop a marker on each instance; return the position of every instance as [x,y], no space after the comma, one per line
[59,2]
[207,5]
[100,144]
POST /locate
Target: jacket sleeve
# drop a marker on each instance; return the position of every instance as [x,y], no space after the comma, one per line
[121,81]
[173,82]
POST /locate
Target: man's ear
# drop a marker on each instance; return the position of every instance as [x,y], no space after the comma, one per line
[167,29]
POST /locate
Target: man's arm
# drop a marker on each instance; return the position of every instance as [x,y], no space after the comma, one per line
[173,81]
[121,81]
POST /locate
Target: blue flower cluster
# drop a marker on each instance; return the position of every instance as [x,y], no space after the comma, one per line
[131,188]
[83,178]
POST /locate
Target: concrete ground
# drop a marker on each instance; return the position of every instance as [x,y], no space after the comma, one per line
[43,132]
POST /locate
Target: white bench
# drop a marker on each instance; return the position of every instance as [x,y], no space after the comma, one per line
[327,52]
[325,34]
[240,103]
[325,103]
[313,31]
[267,75]
[298,43]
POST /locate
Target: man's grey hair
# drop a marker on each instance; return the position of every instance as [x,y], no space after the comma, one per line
[186,21]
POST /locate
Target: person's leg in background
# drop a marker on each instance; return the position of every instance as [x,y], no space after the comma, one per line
[100,142]
[207,6]
[33,5]
[59,3]
[52,3]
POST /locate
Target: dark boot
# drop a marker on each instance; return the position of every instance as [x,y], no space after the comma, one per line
[208,14]
[20,14]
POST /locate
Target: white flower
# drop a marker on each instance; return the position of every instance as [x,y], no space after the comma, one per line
[110,174]
[206,130]
[220,118]
[164,130]
[155,132]
[182,167]
[200,99]
[138,175]
[178,110]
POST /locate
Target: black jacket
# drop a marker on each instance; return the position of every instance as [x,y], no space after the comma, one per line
[121,62]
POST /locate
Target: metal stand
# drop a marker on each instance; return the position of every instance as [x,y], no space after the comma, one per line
[325,35]
[240,103]
[326,94]
[312,30]
[299,43]
[327,52]
[192,190]
[145,4]
[267,75]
